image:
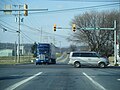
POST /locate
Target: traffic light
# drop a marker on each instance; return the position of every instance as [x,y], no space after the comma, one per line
[54,27]
[25,10]
[73,27]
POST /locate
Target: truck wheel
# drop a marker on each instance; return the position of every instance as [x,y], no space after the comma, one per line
[77,64]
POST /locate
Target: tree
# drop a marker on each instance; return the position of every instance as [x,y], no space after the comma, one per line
[101,41]
[72,48]
[34,49]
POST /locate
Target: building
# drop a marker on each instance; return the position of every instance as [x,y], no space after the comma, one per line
[6,52]
[22,50]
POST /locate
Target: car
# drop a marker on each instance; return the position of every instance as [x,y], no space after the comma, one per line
[79,58]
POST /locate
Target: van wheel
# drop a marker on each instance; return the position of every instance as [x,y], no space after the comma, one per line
[77,64]
[102,65]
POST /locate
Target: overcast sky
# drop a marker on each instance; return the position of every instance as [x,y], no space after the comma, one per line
[38,25]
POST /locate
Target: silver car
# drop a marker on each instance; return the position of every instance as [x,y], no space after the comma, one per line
[87,58]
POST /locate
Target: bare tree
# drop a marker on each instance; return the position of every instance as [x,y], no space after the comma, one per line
[98,40]
[72,48]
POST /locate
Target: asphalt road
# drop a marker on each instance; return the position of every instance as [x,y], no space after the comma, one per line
[58,77]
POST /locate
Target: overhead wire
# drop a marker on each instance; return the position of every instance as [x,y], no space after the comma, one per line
[27,36]
[44,31]
[33,29]
[55,11]
[7,28]
[4,30]
[88,0]
[72,9]
[27,39]
[8,24]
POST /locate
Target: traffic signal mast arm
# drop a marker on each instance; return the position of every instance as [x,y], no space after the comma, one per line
[96,28]
[115,36]
[25,9]
[74,27]
[86,28]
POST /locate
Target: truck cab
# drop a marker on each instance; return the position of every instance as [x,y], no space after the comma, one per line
[45,54]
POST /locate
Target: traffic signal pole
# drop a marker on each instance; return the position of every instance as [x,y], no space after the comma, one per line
[115,44]
[115,36]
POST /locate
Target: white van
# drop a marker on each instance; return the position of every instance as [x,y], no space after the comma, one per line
[87,58]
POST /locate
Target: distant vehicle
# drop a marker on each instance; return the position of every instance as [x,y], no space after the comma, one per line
[46,53]
[87,58]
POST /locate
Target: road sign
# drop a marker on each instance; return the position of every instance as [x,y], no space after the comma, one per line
[8,9]
[97,28]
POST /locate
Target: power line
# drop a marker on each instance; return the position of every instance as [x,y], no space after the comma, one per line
[44,31]
[4,29]
[72,9]
[8,24]
[27,39]
[31,28]
[27,36]
[88,0]
[7,28]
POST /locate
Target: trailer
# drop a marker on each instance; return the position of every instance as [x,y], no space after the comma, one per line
[46,53]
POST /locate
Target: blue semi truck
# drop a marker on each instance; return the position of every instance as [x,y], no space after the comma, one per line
[46,53]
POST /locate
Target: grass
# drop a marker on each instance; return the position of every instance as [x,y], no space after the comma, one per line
[13,59]
[23,59]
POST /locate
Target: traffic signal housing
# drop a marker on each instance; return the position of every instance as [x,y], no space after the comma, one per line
[54,27]
[25,10]
[73,27]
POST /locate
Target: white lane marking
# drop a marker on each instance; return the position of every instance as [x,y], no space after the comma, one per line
[14,75]
[22,82]
[94,82]
[118,79]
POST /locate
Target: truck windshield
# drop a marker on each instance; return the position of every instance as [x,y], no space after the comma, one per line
[43,50]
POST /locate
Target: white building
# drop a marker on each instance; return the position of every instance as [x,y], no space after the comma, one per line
[22,50]
[6,52]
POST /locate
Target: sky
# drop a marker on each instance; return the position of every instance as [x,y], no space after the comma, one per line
[38,25]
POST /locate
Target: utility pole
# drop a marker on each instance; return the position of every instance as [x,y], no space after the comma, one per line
[19,35]
[60,46]
[15,52]
[41,35]
[8,10]
[54,40]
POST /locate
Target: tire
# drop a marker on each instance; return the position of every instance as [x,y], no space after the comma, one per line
[102,65]
[77,65]
[53,61]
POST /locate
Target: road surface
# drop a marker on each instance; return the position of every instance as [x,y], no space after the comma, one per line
[58,77]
